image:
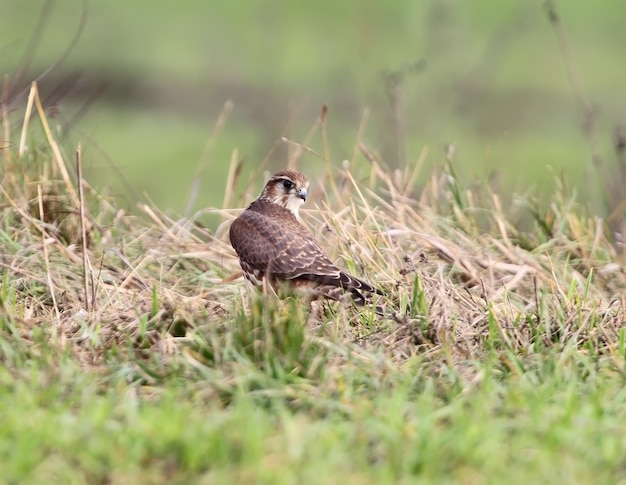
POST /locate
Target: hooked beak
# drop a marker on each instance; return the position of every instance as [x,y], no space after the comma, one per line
[301,194]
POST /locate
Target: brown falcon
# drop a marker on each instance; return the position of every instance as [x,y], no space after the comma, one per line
[271,242]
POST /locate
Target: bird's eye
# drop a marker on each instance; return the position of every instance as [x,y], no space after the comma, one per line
[288,184]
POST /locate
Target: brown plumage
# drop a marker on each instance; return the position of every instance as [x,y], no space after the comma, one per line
[271,242]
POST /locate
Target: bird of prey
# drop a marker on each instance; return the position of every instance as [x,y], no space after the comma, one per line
[272,243]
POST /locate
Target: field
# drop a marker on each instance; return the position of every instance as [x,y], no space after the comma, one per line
[131,355]
[132,351]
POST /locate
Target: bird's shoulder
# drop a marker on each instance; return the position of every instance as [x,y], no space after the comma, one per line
[265,223]
[262,215]
[269,209]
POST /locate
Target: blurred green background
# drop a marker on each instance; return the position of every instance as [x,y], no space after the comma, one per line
[146,81]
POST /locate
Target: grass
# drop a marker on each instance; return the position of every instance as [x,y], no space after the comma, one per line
[504,362]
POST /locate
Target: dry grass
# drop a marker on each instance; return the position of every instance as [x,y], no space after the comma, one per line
[461,273]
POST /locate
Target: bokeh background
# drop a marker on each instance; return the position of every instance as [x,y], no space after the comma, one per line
[145,81]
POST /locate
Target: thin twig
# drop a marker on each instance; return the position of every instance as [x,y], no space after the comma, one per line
[46,256]
[83,229]
[234,170]
[575,80]
[35,39]
[58,157]
[29,109]
[304,146]
[206,156]
[4,144]
[537,308]
[323,118]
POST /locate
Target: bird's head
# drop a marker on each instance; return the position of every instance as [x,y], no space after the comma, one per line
[288,189]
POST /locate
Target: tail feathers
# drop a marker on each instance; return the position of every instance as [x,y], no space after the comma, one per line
[355,284]
[339,279]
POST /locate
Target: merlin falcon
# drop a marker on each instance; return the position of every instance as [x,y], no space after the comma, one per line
[272,243]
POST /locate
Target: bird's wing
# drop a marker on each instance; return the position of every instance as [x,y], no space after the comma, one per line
[285,249]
